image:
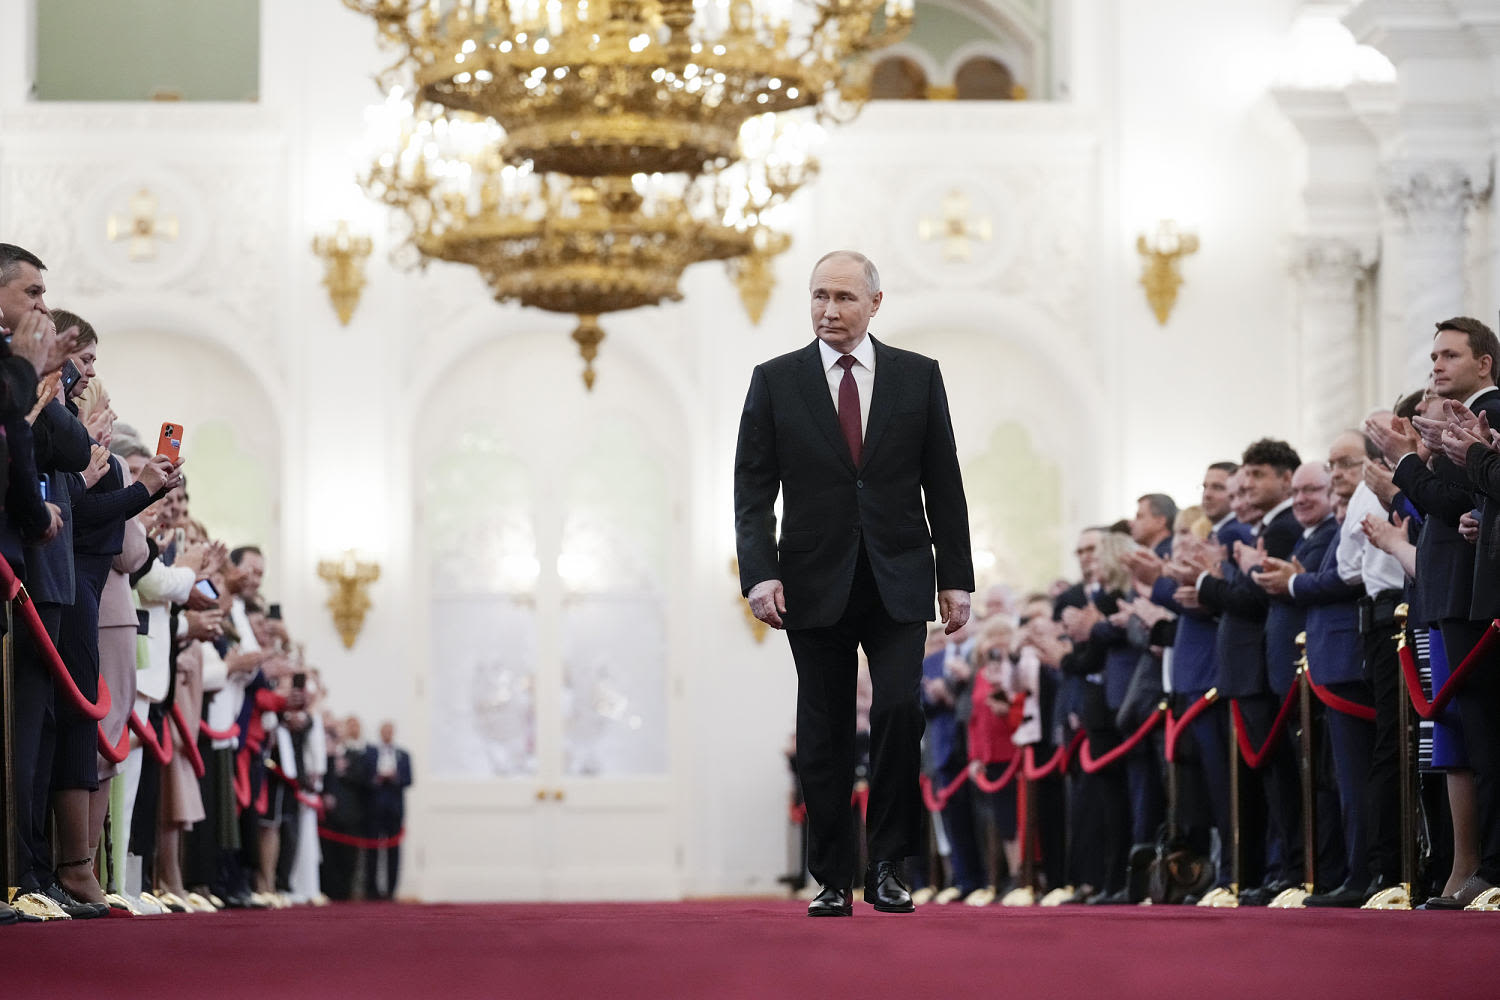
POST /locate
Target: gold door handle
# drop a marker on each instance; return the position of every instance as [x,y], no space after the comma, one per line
[557,795]
[541,795]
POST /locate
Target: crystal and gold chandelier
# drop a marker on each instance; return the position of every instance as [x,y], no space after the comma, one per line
[581,154]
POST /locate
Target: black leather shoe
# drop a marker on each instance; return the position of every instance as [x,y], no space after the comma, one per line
[1120,897]
[1349,896]
[1262,895]
[73,907]
[885,890]
[832,903]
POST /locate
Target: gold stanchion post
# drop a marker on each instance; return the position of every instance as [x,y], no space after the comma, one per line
[1295,898]
[1222,898]
[1398,897]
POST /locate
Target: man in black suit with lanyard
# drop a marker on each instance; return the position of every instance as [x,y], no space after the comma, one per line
[856,438]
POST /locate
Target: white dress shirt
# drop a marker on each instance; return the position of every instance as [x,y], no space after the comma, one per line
[863,372]
[1359,559]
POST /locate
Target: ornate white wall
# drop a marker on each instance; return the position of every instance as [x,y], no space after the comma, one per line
[1044,329]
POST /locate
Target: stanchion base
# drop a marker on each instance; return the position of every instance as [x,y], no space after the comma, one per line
[119,902]
[1487,900]
[1397,897]
[1058,896]
[36,905]
[151,901]
[1220,899]
[1021,896]
[198,903]
[948,895]
[1294,898]
[980,897]
[919,897]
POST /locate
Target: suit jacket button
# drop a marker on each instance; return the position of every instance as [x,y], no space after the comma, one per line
[859,484]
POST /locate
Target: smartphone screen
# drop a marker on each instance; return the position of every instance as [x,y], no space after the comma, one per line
[206,589]
[170,442]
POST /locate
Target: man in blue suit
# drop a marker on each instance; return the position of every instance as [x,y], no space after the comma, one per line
[1312,504]
[388,768]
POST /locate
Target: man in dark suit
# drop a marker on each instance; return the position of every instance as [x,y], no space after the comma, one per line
[1265,478]
[1457,592]
[1335,656]
[387,767]
[1464,595]
[857,439]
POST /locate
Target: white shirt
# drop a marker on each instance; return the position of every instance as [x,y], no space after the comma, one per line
[863,372]
[1359,560]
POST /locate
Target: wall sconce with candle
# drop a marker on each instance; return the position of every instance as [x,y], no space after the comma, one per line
[344,257]
[1160,272]
[350,578]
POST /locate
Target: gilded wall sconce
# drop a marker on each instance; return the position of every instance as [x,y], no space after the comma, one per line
[1161,275]
[344,257]
[349,578]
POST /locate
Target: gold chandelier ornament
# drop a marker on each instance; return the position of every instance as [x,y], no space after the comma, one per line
[580,154]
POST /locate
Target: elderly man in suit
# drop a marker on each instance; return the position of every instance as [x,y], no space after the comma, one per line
[387,768]
[856,438]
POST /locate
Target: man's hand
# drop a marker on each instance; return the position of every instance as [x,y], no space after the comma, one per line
[155,473]
[46,392]
[54,525]
[1275,575]
[100,426]
[1079,622]
[97,467]
[1382,483]
[953,605]
[36,339]
[1145,566]
[1385,535]
[1468,527]
[1249,557]
[205,626]
[1394,437]
[937,691]
[768,602]
[1455,442]
[1187,597]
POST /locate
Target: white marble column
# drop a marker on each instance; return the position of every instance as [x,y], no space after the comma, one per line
[1425,205]
[1330,273]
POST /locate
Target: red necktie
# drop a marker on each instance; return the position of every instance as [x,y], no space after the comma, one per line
[849,410]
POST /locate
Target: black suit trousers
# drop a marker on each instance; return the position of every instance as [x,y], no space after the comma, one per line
[827,668]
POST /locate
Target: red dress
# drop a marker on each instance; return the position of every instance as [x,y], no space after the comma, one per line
[990,734]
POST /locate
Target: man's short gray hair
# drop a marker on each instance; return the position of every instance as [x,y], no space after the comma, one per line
[872,276]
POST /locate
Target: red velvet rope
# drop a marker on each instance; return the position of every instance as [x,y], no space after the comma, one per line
[189,744]
[1432,709]
[232,733]
[1257,758]
[986,785]
[16,593]
[1339,703]
[1091,766]
[937,800]
[306,798]
[362,842]
[1176,727]
[115,754]
[160,751]
[240,778]
[1059,760]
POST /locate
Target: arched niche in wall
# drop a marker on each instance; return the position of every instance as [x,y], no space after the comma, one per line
[898,78]
[983,78]
[1021,445]
[232,439]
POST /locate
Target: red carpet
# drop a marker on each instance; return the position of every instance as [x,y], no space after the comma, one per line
[754,948]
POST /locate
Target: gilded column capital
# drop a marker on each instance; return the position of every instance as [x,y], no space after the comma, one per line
[1431,196]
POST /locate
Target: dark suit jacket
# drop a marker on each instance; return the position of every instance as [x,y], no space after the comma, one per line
[1483,467]
[1445,562]
[1286,618]
[1242,607]
[387,798]
[790,442]
[1334,652]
